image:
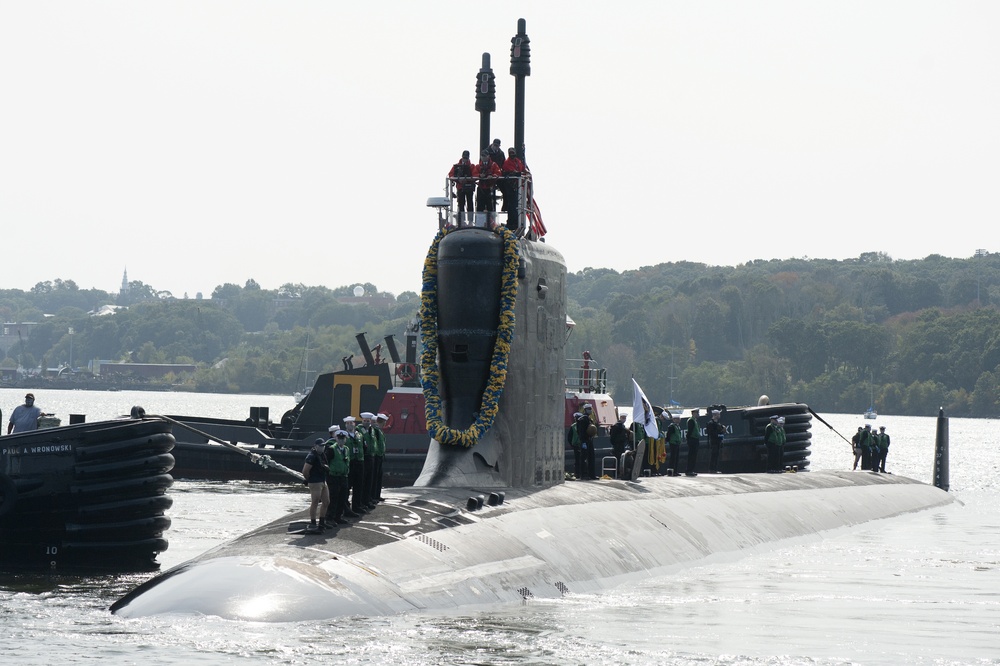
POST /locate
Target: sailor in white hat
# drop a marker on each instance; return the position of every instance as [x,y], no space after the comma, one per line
[367,432]
[379,456]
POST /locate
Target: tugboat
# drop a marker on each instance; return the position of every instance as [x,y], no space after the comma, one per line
[85,498]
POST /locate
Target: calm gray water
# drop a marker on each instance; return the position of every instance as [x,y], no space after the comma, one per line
[921,589]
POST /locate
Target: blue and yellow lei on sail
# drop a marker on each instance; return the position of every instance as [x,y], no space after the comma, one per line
[429,371]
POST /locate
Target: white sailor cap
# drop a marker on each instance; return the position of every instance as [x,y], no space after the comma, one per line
[587,407]
[774,418]
[341,433]
[781,419]
[367,415]
[349,419]
[716,411]
[382,416]
[577,415]
[333,428]
[676,416]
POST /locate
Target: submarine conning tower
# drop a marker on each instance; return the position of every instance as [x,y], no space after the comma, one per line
[493,321]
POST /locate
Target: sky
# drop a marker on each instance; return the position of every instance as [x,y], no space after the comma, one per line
[198,143]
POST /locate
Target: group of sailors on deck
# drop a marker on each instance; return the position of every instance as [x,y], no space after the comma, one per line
[493,172]
[346,465]
[870,448]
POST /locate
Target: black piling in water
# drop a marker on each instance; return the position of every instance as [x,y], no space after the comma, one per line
[941,452]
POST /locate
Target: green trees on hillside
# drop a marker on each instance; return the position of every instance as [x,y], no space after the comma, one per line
[912,335]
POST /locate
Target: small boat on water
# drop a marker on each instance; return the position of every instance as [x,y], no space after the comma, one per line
[870,413]
[85,498]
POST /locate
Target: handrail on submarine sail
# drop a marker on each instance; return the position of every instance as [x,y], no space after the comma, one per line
[486,219]
[820,419]
[262,460]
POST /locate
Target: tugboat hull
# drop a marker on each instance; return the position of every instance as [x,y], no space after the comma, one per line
[87,498]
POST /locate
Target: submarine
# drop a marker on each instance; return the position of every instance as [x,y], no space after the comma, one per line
[490,519]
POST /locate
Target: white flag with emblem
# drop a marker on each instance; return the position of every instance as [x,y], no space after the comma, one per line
[642,412]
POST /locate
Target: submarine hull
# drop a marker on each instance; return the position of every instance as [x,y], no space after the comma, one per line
[423,549]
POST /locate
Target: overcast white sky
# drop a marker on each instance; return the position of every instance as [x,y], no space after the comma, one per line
[205,142]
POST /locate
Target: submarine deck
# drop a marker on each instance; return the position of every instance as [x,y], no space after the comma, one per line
[422,549]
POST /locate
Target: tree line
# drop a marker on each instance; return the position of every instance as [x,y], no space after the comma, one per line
[909,336]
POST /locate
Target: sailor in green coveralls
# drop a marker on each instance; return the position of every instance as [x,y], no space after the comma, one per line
[356,477]
[865,444]
[380,421]
[368,437]
[773,441]
[881,445]
[339,463]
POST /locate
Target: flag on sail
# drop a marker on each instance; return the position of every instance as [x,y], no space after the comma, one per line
[642,411]
[535,217]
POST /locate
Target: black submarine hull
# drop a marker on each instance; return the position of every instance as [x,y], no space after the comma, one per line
[425,549]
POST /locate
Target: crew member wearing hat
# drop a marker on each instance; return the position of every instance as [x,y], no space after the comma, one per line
[714,430]
[380,421]
[314,471]
[339,460]
[573,439]
[692,436]
[368,438]
[465,184]
[772,440]
[24,417]
[356,477]
[865,444]
[496,153]
[881,439]
[586,428]
[674,444]
[619,436]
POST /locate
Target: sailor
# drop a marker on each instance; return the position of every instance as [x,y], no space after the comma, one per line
[368,438]
[356,477]
[772,441]
[856,446]
[865,444]
[782,438]
[314,473]
[339,465]
[488,172]
[619,436]
[465,184]
[378,457]
[715,432]
[882,438]
[511,170]
[24,417]
[656,449]
[496,153]
[693,435]
[573,439]
[586,428]
[674,444]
